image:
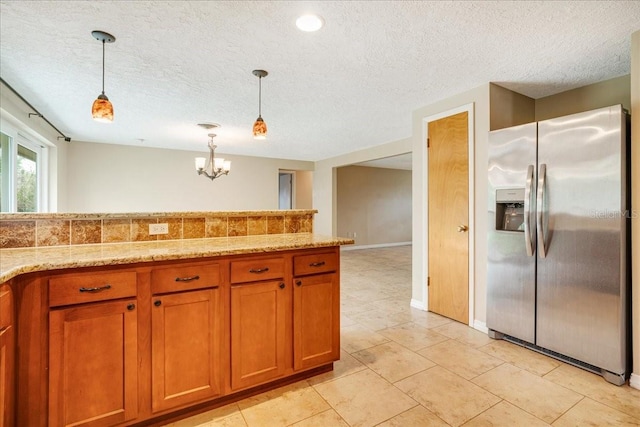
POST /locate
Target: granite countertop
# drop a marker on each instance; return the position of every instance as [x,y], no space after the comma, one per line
[14,262]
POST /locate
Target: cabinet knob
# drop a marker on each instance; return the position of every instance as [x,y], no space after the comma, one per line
[281,285]
[157,303]
[131,307]
[299,282]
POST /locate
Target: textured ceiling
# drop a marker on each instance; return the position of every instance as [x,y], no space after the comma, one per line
[351,85]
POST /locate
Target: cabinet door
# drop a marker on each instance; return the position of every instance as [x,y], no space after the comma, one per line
[7,350]
[316,321]
[93,373]
[260,316]
[186,340]
[6,379]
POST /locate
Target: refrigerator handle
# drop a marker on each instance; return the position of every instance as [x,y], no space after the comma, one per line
[542,177]
[528,190]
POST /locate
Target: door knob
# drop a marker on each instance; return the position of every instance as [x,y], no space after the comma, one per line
[462,228]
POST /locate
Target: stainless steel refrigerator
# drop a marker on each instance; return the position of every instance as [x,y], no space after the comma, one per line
[558,265]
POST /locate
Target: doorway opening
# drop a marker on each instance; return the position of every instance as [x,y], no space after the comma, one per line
[285,190]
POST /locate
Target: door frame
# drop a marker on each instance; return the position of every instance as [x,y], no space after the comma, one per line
[468,108]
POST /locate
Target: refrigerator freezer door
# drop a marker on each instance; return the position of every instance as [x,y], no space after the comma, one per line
[580,285]
[511,272]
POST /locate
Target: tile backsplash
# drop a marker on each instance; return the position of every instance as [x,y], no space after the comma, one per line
[39,230]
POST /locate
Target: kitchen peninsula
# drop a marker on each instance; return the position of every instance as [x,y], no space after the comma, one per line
[103,323]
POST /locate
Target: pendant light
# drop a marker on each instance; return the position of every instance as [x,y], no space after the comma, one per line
[102,110]
[260,127]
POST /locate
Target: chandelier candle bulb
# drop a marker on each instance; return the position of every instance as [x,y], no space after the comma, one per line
[200,162]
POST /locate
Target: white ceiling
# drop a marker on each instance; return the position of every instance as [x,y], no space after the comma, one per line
[349,86]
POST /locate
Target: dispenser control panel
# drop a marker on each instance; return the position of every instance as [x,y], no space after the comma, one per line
[510,209]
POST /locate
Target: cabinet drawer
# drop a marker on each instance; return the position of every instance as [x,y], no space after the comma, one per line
[258,269]
[5,307]
[315,263]
[184,277]
[89,287]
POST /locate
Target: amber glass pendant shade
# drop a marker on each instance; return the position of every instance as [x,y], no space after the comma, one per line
[102,110]
[260,129]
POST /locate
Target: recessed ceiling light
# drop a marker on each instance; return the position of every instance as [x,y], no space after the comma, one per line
[309,23]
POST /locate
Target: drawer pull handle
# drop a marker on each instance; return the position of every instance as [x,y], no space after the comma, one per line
[281,285]
[131,307]
[258,270]
[299,282]
[157,303]
[94,290]
[187,279]
[316,264]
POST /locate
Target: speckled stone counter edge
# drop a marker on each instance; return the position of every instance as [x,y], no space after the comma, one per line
[14,262]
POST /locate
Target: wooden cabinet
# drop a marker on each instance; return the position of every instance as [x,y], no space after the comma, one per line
[316,309]
[253,270]
[7,349]
[93,369]
[260,325]
[186,342]
[137,344]
[316,321]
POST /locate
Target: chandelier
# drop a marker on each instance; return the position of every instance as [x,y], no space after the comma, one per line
[214,167]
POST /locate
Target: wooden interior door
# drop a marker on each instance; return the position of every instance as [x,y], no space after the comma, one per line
[448,283]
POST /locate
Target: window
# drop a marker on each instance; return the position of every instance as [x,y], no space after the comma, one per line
[21,182]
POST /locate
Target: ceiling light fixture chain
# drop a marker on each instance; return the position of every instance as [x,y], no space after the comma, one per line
[260,127]
[213,167]
[102,109]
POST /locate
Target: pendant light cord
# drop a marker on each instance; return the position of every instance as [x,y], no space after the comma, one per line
[103,42]
[260,97]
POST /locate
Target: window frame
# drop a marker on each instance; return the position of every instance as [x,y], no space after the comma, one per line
[18,136]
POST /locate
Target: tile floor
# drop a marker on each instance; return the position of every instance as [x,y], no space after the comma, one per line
[405,367]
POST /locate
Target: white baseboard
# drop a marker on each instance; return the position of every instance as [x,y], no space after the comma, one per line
[480,326]
[634,381]
[418,304]
[378,245]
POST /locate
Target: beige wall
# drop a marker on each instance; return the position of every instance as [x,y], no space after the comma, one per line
[304,190]
[508,108]
[602,94]
[118,178]
[635,203]
[375,204]
[324,180]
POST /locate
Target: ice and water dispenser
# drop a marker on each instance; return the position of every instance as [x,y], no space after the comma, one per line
[510,209]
